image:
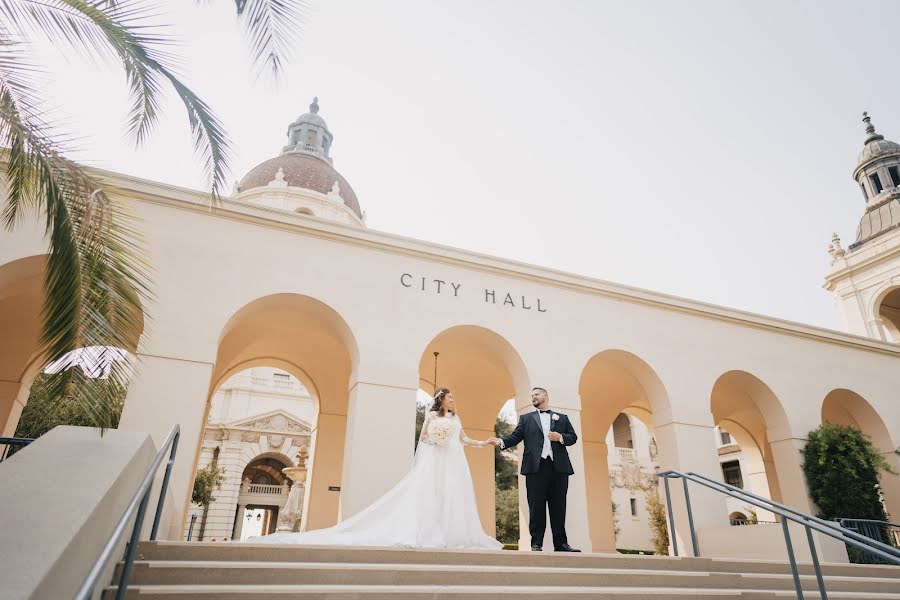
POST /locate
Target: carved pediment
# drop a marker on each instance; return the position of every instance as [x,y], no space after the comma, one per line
[274,421]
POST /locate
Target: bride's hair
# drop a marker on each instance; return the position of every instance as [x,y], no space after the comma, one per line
[438,405]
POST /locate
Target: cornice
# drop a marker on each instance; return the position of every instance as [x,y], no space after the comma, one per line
[135,188]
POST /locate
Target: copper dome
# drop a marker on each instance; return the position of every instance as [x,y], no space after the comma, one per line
[301,171]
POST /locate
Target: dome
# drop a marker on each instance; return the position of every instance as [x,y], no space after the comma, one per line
[301,171]
[876,146]
[877,220]
[311,118]
[876,149]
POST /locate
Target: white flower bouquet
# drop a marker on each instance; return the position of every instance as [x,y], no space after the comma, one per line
[440,431]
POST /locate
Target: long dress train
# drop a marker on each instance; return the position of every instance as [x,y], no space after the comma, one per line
[433,506]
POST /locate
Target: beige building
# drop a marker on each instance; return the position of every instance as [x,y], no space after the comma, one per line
[258,421]
[355,316]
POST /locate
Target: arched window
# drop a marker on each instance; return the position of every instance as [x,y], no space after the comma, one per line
[622,436]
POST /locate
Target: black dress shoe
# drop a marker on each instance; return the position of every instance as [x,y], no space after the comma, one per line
[536,548]
[566,548]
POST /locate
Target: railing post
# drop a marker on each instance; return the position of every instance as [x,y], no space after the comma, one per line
[671,517]
[690,515]
[815,560]
[793,561]
[164,488]
[128,565]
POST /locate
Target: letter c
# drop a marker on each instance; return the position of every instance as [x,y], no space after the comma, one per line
[403,282]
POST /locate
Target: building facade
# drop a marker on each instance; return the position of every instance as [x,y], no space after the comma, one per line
[356,315]
[258,421]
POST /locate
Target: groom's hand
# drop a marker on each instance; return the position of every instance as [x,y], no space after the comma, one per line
[493,441]
[555,436]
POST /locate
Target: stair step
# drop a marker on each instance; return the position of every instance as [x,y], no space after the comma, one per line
[233,552]
[342,592]
[265,572]
[243,573]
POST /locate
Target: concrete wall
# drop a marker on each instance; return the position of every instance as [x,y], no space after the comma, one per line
[61,499]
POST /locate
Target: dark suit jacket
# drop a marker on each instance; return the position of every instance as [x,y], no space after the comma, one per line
[529,429]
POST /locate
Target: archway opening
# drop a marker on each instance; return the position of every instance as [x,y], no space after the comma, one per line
[621,396]
[483,371]
[24,369]
[845,407]
[258,421]
[889,311]
[748,417]
[299,336]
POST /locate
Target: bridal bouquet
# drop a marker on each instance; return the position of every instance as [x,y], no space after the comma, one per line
[439,431]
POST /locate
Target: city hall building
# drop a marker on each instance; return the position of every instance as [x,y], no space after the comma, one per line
[284,274]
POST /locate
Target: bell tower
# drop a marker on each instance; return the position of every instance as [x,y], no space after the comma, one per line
[865,277]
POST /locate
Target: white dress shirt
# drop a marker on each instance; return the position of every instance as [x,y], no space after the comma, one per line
[546,452]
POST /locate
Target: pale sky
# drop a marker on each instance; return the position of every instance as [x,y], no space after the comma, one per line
[701,149]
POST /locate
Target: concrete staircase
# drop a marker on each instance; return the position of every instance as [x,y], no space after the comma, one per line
[230,571]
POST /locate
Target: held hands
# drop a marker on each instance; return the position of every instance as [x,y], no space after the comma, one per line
[492,442]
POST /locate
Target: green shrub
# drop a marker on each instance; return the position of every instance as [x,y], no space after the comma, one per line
[841,467]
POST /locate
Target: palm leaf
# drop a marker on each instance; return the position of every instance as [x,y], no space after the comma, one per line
[121,30]
[272,26]
[95,272]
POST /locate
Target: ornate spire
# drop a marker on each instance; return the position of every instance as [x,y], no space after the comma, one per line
[314,107]
[870,129]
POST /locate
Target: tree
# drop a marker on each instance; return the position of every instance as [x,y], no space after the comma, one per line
[841,467]
[508,516]
[659,527]
[420,420]
[207,480]
[44,411]
[97,272]
[506,475]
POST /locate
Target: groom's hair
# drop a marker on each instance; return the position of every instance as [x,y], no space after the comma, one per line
[541,389]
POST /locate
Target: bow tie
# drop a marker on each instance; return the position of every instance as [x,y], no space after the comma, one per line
[544,411]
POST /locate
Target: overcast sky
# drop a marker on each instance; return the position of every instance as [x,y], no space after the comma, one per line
[702,149]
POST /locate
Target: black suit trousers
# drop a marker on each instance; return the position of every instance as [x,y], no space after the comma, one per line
[545,488]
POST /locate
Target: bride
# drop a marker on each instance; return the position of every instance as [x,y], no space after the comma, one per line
[433,506]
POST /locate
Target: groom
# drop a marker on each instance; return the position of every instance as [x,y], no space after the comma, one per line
[546,467]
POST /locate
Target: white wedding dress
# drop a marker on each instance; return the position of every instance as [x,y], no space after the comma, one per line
[433,506]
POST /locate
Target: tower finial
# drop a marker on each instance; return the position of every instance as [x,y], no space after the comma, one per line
[871,136]
[314,107]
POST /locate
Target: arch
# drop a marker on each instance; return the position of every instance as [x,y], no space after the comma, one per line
[484,371]
[846,407]
[310,340]
[21,353]
[622,434]
[886,307]
[754,416]
[613,383]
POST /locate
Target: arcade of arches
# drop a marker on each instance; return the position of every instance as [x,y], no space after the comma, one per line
[314,344]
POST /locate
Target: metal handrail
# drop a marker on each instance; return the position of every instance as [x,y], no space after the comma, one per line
[138,504]
[802,515]
[10,442]
[809,522]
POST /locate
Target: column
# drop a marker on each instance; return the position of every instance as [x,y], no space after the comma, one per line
[890,486]
[690,447]
[577,523]
[379,445]
[164,392]
[239,522]
[321,501]
[791,481]
[599,496]
[481,464]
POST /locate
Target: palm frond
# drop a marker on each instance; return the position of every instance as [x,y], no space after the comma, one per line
[95,274]
[119,29]
[272,26]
